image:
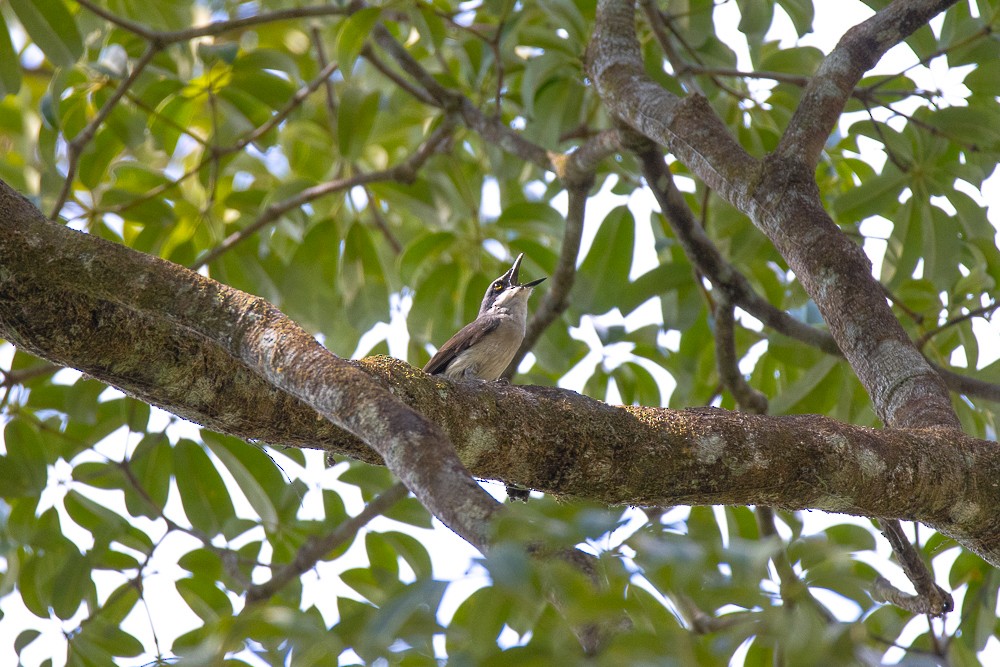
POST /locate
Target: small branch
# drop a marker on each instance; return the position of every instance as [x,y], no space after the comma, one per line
[703,624]
[405,172]
[258,132]
[12,377]
[75,147]
[659,26]
[557,297]
[748,398]
[859,49]
[930,599]
[368,53]
[975,312]
[331,97]
[215,28]
[703,254]
[316,548]
[490,129]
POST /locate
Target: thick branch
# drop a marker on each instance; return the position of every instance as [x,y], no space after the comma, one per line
[781,198]
[688,126]
[43,259]
[544,438]
[831,87]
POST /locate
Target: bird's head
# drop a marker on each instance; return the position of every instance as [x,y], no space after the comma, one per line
[506,290]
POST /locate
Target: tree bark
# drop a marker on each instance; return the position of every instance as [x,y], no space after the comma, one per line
[56,289]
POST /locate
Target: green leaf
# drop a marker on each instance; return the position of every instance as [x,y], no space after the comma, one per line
[10,70]
[412,551]
[792,397]
[801,12]
[605,270]
[151,465]
[254,471]
[25,638]
[409,510]
[416,604]
[477,623]
[203,493]
[355,120]
[70,585]
[105,525]
[755,17]
[51,28]
[23,469]
[354,31]
[876,196]
[855,538]
[362,279]
[204,598]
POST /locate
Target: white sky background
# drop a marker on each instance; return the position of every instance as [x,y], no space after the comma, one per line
[452,556]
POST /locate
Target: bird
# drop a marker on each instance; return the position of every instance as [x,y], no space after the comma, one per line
[484,347]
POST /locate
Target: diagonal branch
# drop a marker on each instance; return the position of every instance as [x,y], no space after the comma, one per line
[316,548]
[831,87]
[490,129]
[251,331]
[781,198]
[404,171]
[74,149]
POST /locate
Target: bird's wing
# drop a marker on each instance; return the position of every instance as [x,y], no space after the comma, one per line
[467,336]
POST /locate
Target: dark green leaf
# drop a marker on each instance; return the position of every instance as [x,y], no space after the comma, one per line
[51,27]
[203,493]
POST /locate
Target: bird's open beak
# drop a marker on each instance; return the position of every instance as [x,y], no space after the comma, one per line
[510,278]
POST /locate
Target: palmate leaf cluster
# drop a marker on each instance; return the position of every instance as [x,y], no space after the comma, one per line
[102,504]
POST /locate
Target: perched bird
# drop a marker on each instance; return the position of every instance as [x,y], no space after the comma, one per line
[483,348]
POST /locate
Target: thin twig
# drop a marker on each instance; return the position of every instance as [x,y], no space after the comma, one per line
[249,138]
[316,548]
[975,312]
[404,171]
[75,147]
[167,37]
[930,598]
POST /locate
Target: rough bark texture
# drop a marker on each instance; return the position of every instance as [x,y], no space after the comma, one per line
[546,438]
[780,195]
[79,285]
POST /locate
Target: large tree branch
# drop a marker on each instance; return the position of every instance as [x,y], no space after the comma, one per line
[177,340]
[157,330]
[781,198]
[831,87]
[42,260]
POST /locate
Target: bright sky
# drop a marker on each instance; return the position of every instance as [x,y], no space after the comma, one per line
[452,557]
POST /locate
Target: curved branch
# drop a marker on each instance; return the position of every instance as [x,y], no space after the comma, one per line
[404,171]
[548,439]
[781,198]
[831,87]
[42,259]
[317,547]
[688,127]
[74,149]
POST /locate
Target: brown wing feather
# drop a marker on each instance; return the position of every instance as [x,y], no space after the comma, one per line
[466,337]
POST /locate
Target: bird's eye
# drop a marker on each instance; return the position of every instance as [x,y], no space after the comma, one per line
[497,287]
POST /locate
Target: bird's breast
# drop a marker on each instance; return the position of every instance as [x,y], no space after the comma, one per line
[489,357]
